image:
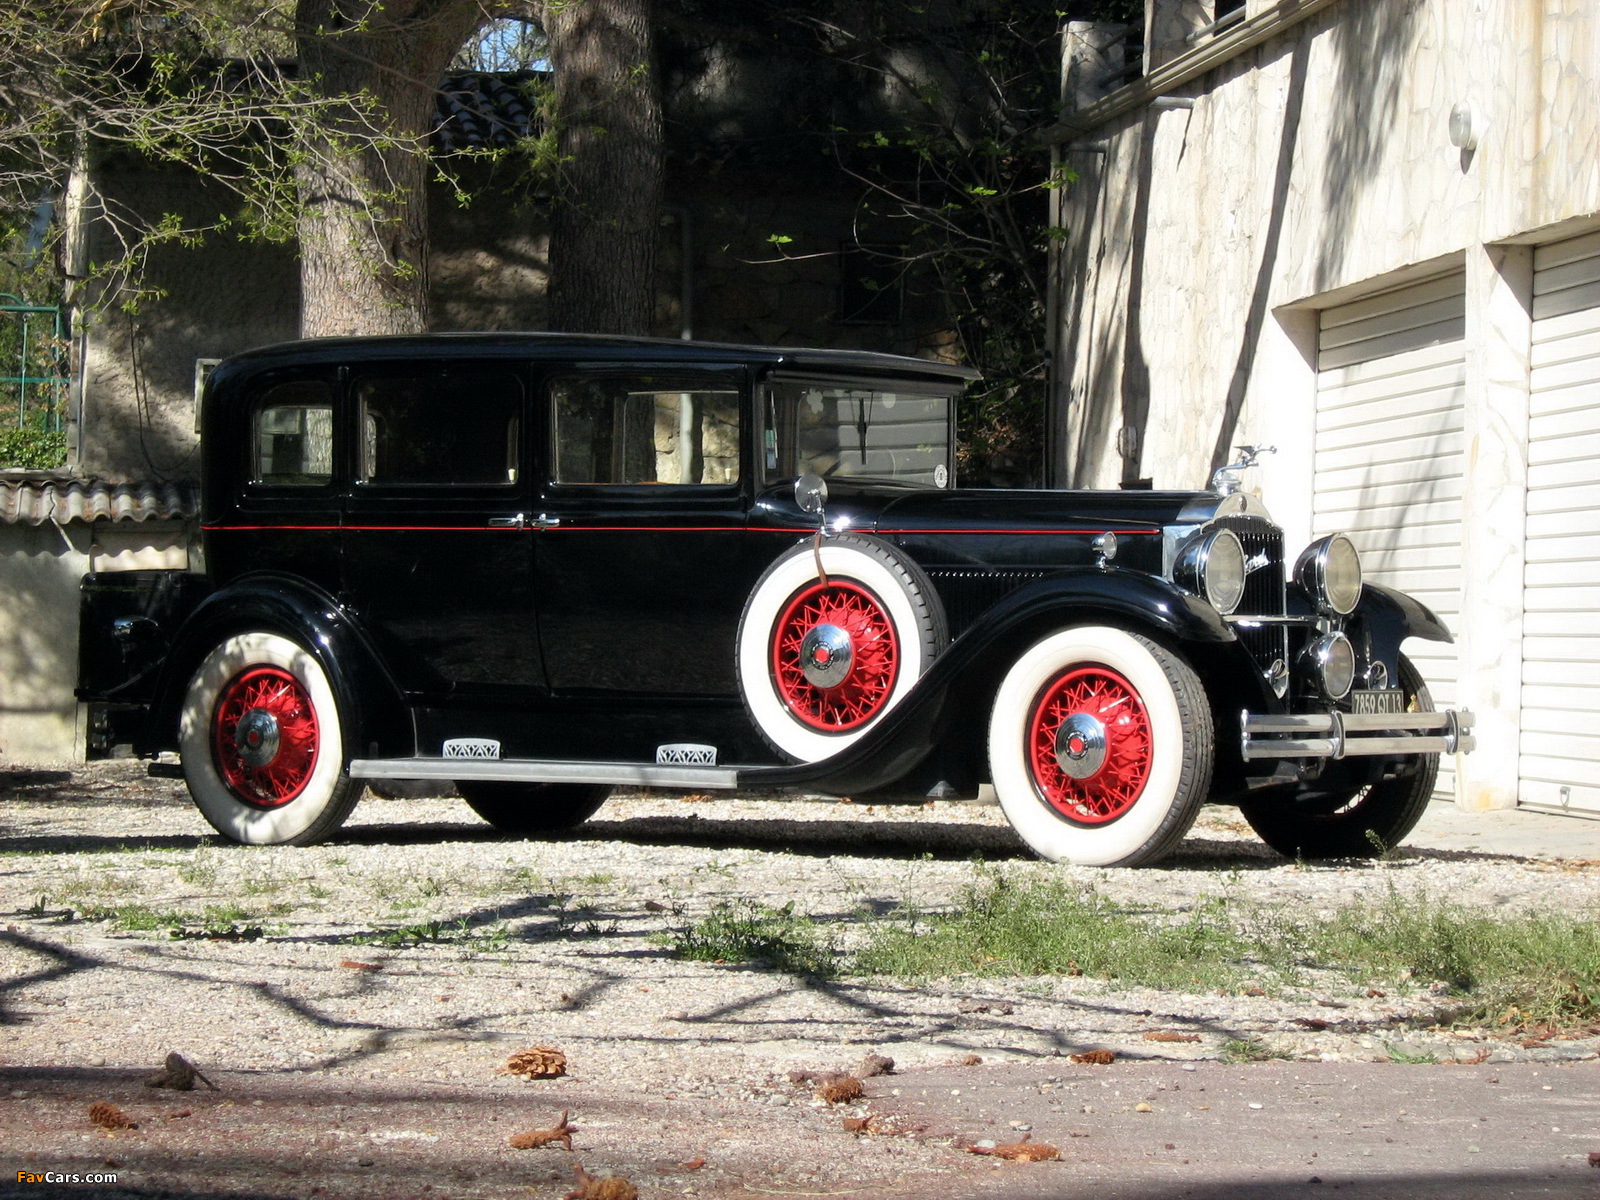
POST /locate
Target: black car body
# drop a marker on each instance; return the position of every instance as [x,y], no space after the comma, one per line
[540,566]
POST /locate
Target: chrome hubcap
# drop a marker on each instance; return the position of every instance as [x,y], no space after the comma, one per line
[1081,746]
[257,736]
[826,655]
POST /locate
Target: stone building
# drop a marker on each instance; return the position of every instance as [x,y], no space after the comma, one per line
[1366,232]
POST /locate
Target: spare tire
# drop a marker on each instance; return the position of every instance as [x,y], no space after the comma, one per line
[821,658]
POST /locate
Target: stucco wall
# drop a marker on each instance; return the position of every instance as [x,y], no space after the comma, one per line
[1315,162]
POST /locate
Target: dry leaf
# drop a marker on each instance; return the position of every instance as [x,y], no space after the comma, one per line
[1096,1058]
[601,1187]
[874,1064]
[1375,994]
[694,1164]
[1020,1151]
[1143,1106]
[858,1124]
[109,1116]
[1167,1035]
[540,1062]
[179,1074]
[1316,1024]
[354,965]
[534,1138]
[840,1089]
[970,1060]
[655,906]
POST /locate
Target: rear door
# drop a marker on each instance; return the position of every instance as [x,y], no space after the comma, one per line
[437,555]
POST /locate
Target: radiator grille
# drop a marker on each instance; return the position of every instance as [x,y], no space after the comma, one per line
[1263,587]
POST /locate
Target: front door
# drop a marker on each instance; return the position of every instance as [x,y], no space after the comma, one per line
[643,558]
[437,553]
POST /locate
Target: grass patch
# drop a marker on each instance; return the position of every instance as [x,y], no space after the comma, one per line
[741,931]
[457,933]
[1500,968]
[1003,926]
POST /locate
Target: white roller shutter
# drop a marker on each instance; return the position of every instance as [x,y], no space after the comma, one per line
[1560,749]
[1391,375]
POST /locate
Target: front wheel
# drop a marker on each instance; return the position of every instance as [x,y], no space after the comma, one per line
[532,808]
[1354,822]
[1100,747]
[263,744]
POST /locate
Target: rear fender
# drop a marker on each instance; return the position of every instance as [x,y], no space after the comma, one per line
[377,719]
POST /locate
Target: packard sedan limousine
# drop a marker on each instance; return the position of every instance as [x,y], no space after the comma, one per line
[542,566]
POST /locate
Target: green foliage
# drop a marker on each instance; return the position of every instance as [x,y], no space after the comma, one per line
[32,447]
[742,931]
[1502,967]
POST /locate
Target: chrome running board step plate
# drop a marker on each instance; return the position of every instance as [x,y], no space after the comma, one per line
[1348,735]
[528,770]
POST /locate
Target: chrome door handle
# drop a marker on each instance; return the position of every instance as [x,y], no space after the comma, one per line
[544,522]
[520,521]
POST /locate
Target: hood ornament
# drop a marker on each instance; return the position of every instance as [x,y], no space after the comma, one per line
[1225,480]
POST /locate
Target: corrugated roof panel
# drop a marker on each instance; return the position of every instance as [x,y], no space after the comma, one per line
[35,501]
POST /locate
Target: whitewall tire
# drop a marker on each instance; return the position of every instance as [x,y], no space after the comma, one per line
[263,745]
[1100,747]
[820,662]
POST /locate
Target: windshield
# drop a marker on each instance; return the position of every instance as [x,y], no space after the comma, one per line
[838,430]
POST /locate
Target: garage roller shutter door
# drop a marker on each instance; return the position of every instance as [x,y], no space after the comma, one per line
[1560,749]
[1390,387]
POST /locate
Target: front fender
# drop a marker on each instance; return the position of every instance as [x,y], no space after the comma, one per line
[943,721]
[376,719]
[1388,617]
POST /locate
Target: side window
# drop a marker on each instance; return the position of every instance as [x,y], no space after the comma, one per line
[440,427]
[646,429]
[291,435]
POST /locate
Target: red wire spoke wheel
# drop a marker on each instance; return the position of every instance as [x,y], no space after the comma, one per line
[835,657]
[1090,745]
[1100,747]
[265,736]
[262,740]
[836,632]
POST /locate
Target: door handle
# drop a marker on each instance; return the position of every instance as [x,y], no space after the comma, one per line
[544,522]
[520,521]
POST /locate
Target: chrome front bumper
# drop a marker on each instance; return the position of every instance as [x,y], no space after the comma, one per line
[1346,735]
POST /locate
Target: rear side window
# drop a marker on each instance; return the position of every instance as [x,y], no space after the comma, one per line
[646,429]
[291,435]
[440,428]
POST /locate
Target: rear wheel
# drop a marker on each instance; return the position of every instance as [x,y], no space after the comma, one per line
[525,808]
[1100,747]
[1358,822]
[263,743]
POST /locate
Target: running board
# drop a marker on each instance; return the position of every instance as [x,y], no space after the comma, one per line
[528,770]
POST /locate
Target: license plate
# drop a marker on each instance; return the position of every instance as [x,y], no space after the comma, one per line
[1378,700]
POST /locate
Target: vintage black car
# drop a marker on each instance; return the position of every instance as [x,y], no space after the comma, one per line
[541,566]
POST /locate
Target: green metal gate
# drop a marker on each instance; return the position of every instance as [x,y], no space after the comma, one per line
[33,384]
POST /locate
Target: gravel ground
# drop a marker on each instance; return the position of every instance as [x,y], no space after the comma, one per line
[331,1047]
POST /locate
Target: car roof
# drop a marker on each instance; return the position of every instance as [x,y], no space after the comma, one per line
[595,348]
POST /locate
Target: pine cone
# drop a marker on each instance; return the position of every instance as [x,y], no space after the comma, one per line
[109,1116]
[541,1062]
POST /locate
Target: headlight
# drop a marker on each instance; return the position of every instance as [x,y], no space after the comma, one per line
[1334,661]
[1330,571]
[1212,565]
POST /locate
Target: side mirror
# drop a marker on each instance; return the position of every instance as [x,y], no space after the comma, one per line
[811,493]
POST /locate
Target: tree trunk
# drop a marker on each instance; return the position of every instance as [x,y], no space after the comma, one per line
[607,211]
[362,170]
